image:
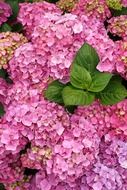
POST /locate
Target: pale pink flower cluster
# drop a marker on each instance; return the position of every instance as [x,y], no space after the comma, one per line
[32,15]
[81,151]
[5,12]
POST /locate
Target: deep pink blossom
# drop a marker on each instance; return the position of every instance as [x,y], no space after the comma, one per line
[5,12]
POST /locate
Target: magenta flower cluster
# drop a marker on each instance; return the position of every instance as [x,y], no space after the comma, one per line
[5,12]
[86,150]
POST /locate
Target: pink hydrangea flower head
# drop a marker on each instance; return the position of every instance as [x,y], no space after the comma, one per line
[116,62]
[92,8]
[5,12]
[11,139]
[124,3]
[32,14]
[118,118]
[29,66]
[118,26]
[58,42]
[36,157]
[3,90]
[97,115]
[23,184]
[77,30]
[12,171]
[120,57]
[51,122]
[8,43]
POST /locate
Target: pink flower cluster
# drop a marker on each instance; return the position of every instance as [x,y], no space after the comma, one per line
[118,26]
[124,3]
[86,150]
[63,35]
[31,15]
[93,8]
[8,43]
[5,12]
[121,58]
[3,90]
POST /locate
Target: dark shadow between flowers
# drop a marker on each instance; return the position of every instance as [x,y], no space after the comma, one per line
[2,186]
[124,82]
[29,172]
[111,36]
[5,75]
[28,146]
[114,37]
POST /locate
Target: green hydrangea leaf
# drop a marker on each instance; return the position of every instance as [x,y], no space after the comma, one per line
[3,73]
[17,27]
[54,92]
[113,93]
[87,57]
[99,81]
[74,96]
[5,27]
[116,13]
[80,77]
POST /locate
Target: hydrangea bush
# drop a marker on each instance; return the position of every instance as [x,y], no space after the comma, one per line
[63,90]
